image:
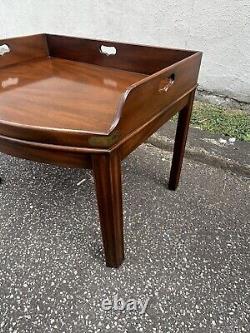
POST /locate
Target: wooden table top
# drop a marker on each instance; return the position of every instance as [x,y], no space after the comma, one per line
[53,93]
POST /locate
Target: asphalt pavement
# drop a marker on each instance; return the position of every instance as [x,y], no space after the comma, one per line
[187,252]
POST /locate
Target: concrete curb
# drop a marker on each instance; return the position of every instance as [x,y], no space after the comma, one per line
[221,100]
[204,147]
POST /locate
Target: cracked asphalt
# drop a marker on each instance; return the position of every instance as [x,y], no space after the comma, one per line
[187,251]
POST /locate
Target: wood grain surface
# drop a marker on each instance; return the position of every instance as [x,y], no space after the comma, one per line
[86,103]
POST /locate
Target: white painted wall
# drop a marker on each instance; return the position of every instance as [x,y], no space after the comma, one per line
[219,28]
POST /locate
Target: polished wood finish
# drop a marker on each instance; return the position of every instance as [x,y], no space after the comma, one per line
[146,98]
[53,154]
[180,143]
[135,138]
[133,58]
[68,98]
[107,173]
[24,49]
[64,101]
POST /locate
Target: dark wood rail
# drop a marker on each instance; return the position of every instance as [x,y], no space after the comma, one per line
[128,57]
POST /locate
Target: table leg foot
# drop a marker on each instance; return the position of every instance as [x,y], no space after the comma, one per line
[107,173]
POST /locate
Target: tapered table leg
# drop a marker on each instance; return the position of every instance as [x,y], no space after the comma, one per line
[180,143]
[107,173]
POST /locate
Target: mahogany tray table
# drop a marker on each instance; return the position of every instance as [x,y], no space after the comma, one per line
[89,103]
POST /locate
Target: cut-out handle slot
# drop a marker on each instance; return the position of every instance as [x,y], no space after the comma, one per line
[165,84]
[4,49]
[108,50]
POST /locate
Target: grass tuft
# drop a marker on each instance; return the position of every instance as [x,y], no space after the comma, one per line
[215,119]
